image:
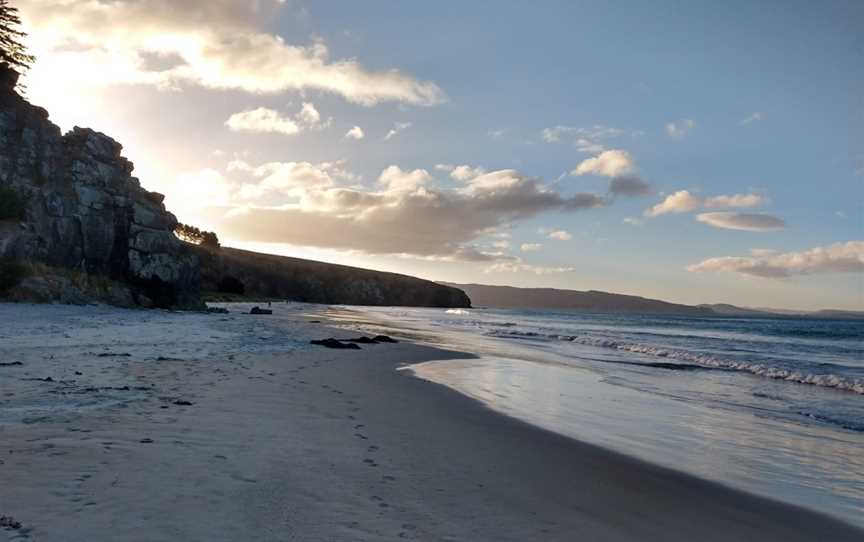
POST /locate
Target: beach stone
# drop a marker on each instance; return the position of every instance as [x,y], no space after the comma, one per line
[259,310]
[335,343]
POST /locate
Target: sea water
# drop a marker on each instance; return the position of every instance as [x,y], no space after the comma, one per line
[774,406]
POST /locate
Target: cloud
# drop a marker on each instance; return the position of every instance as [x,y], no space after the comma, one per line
[742,221]
[753,117]
[633,221]
[496,134]
[837,258]
[220,44]
[402,214]
[679,129]
[310,118]
[586,139]
[461,173]
[291,178]
[355,133]
[519,266]
[630,185]
[397,180]
[620,166]
[612,163]
[264,120]
[560,235]
[683,201]
[531,247]
[735,200]
[679,202]
[397,128]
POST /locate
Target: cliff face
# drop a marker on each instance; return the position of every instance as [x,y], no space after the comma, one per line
[89,232]
[82,210]
[266,275]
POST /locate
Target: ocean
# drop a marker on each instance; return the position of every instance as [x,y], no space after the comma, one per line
[774,406]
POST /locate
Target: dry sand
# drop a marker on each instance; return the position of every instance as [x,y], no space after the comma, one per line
[231,427]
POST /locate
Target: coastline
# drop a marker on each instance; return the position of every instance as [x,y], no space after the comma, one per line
[283,441]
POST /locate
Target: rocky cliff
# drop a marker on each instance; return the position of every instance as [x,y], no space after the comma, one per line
[73,206]
[265,275]
[76,226]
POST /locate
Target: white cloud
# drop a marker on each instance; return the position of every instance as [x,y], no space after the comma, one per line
[753,117]
[397,128]
[585,139]
[735,200]
[531,247]
[679,129]
[611,163]
[683,201]
[461,173]
[502,244]
[519,266]
[496,134]
[355,133]
[310,118]
[837,258]
[742,221]
[219,44]
[397,180]
[286,178]
[560,235]
[679,202]
[262,120]
[633,221]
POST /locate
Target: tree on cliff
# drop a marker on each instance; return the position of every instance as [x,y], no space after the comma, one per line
[191,234]
[12,51]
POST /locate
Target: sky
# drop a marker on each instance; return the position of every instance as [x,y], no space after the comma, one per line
[697,152]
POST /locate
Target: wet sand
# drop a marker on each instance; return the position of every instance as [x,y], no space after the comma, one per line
[233,428]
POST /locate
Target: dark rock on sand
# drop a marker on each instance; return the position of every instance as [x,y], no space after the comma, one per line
[335,343]
[8,522]
[181,402]
[385,339]
[217,310]
[11,364]
[259,310]
[362,340]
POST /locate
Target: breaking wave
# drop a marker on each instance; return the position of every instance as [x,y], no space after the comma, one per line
[709,361]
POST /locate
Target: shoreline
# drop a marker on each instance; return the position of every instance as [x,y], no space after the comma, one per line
[306,443]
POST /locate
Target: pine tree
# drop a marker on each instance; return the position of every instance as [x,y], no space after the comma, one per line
[12,51]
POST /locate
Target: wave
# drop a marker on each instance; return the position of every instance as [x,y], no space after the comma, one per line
[460,312]
[825,380]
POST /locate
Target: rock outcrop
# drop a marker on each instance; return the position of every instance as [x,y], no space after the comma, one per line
[82,227]
[81,210]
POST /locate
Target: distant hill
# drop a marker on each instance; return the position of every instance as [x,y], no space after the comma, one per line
[550,298]
[724,309]
[253,274]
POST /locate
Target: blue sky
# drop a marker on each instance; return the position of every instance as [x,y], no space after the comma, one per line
[754,109]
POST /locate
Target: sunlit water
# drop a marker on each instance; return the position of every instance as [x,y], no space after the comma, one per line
[772,406]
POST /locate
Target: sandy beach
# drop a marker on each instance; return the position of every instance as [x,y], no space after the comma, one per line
[156,425]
